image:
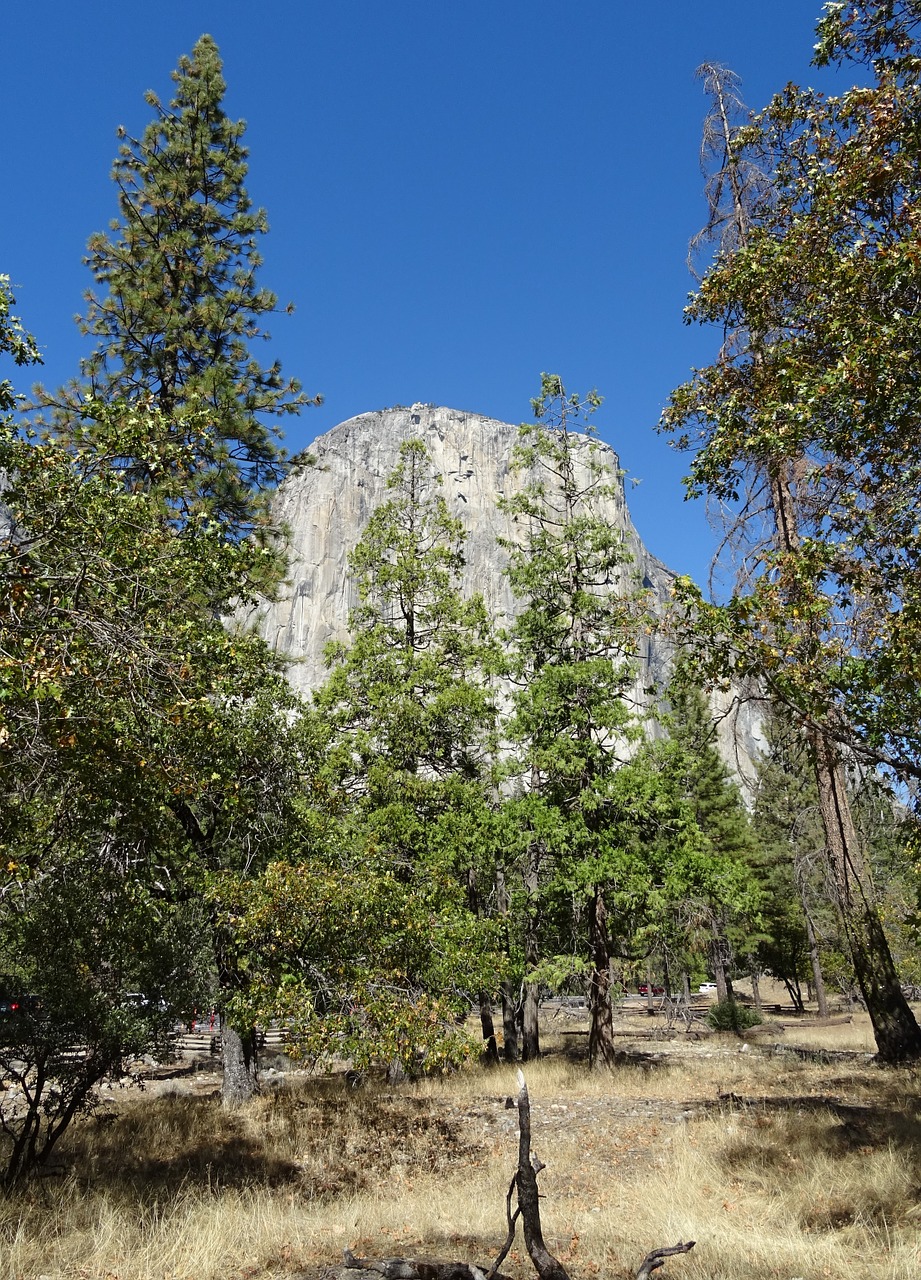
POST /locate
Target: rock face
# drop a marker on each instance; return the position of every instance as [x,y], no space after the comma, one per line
[326,502]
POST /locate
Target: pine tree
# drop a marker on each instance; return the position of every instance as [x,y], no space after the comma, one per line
[181,306]
[717,808]
[409,719]
[408,699]
[572,647]
[787,822]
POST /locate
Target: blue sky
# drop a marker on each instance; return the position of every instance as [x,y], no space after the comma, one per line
[460,195]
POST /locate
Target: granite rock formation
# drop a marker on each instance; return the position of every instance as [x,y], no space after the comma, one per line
[326,502]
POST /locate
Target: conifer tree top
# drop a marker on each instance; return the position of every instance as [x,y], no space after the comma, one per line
[179,304]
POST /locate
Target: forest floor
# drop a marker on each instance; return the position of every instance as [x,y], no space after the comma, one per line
[788,1155]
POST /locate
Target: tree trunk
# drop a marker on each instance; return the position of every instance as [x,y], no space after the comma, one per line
[796,995]
[721,953]
[490,1048]
[546,1265]
[818,979]
[756,988]
[511,1050]
[898,1036]
[650,998]
[601,1034]
[239,1057]
[530,1032]
[396,1072]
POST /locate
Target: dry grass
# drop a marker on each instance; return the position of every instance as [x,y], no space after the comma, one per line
[854,1037]
[778,1167]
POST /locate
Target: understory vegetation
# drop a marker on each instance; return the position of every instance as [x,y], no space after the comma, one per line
[776,1165]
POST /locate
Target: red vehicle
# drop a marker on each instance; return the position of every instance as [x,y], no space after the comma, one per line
[643,989]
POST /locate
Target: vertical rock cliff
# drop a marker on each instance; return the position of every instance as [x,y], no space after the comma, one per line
[325,504]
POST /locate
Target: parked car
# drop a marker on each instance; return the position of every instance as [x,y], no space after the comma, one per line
[12,1005]
[707,988]
[643,989]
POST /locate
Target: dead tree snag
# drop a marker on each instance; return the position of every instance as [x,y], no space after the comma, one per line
[523,1187]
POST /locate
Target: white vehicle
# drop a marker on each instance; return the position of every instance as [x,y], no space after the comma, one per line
[707,988]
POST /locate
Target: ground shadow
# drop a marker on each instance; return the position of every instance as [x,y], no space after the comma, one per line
[321,1138]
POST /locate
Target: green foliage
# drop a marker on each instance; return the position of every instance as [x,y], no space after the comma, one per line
[607,835]
[729,1015]
[15,342]
[714,797]
[812,408]
[889,832]
[142,742]
[106,967]
[573,643]
[805,432]
[181,306]
[377,946]
[111,647]
[727,916]
[872,31]
[628,840]
[790,862]
[408,701]
[569,660]
[360,962]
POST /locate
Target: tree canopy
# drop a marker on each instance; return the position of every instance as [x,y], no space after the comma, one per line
[804,431]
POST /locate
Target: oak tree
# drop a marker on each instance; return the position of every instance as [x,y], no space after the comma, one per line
[804,431]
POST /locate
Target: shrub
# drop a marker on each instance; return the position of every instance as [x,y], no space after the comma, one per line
[728,1015]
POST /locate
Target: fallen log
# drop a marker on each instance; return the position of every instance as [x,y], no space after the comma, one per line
[841,1021]
[764,1029]
[408,1269]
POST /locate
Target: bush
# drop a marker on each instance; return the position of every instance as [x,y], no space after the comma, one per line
[728,1015]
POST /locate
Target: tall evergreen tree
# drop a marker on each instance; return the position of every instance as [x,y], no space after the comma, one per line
[408,699]
[787,821]
[181,306]
[571,648]
[409,719]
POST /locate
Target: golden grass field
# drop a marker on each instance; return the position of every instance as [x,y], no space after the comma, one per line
[777,1166]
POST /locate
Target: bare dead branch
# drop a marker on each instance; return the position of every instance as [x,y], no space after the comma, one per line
[511,1218]
[657,1257]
